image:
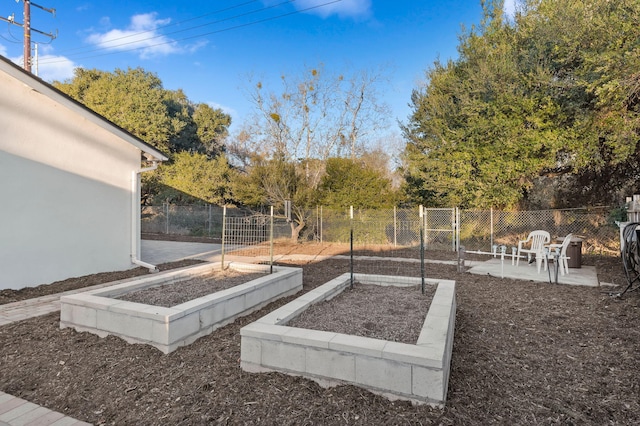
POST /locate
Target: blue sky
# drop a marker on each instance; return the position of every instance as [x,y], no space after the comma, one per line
[208,48]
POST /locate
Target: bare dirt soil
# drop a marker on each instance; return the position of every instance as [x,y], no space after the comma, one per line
[524,353]
[175,293]
[379,312]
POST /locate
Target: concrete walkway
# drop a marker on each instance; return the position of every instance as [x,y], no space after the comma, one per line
[157,252]
[16,411]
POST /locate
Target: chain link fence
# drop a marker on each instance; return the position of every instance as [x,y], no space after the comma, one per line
[444,229]
[385,242]
[195,221]
[480,230]
[252,235]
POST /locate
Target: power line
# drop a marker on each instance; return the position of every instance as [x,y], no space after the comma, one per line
[163,26]
[259,21]
[116,46]
[26,26]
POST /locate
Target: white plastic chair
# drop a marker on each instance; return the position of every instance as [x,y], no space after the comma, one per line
[534,244]
[561,258]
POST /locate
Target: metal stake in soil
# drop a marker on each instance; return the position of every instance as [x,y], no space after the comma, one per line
[422,248]
[351,245]
[224,223]
[271,244]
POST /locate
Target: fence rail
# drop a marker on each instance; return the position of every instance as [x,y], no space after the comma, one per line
[444,229]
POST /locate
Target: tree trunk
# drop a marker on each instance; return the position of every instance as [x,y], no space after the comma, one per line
[295,230]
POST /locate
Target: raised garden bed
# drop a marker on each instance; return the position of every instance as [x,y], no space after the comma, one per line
[416,372]
[167,328]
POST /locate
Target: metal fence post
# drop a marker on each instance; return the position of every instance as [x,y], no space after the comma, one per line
[351,244]
[491,229]
[457,230]
[425,224]
[224,224]
[395,227]
[321,223]
[271,243]
[167,218]
[421,214]
[209,229]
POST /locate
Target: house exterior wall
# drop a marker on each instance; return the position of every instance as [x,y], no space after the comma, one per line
[66,192]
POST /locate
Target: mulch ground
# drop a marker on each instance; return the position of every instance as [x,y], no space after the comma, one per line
[524,353]
[177,292]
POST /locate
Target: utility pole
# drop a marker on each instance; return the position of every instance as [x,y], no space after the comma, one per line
[26,26]
[26,45]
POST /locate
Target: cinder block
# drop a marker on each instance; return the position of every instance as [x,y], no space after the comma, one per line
[447,289]
[73,314]
[184,327]
[250,350]
[263,331]
[331,364]
[429,384]
[286,313]
[426,356]
[211,315]
[158,313]
[439,309]
[125,325]
[357,345]
[233,306]
[160,332]
[306,337]
[258,295]
[283,356]
[384,374]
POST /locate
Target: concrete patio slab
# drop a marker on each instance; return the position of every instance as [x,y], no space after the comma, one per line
[157,252]
[585,276]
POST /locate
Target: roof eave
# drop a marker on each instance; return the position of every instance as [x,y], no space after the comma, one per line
[46,89]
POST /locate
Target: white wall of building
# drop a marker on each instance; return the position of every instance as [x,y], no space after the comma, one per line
[65,191]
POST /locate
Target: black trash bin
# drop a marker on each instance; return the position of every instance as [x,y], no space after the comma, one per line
[574,253]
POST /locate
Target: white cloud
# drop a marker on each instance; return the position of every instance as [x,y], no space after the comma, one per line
[142,35]
[47,66]
[55,68]
[344,8]
[509,8]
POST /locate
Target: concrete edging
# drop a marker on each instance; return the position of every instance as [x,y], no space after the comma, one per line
[418,373]
[167,329]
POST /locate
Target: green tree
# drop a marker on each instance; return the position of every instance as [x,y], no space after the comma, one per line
[132,99]
[136,101]
[212,128]
[590,51]
[552,93]
[194,178]
[350,182]
[269,182]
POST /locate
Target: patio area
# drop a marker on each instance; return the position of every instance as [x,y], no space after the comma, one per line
[585,276]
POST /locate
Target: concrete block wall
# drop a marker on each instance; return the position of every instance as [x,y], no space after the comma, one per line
[418,373]
[169,328]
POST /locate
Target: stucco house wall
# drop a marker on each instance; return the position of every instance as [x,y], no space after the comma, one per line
[69,194]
